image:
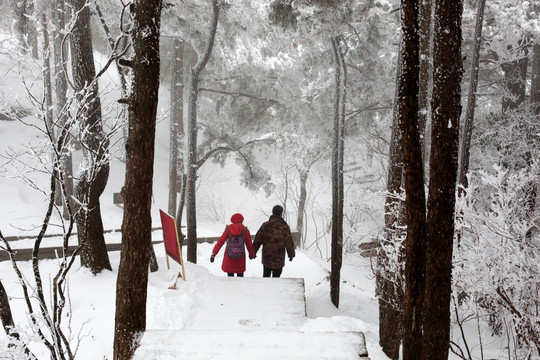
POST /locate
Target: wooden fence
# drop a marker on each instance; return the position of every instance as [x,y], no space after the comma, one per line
[54,252]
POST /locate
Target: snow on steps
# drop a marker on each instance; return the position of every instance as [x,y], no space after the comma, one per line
[250,318]
[250,344]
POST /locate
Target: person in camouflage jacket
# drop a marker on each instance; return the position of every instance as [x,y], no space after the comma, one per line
[275,237]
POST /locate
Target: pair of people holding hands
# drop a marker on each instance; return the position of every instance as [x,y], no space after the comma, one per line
[274,236]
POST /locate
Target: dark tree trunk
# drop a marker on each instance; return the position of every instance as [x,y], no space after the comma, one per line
[446,105]
[301,205]
[471,100]
[338,45]
[535,78]
[191,145]
[413,177]
[93,179]
[131,288]
[390,292]
[5,313]
[7,321]
[191,172]
[515,76]
[61,98]
[176,124]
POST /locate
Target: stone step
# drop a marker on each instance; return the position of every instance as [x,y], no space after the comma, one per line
[259,303]
[251,345]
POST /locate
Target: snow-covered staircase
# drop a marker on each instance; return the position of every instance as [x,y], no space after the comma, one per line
[258,319]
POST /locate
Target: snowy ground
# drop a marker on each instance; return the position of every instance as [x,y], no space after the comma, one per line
[92,300]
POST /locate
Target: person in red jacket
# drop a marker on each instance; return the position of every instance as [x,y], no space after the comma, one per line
[234,266]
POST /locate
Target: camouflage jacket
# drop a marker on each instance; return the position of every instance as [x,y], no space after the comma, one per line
[274,236]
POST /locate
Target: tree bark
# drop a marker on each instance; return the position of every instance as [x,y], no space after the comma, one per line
[391,293]
[471,100]
[61,98]
[413,178]
[446,105]
[131,288]
[515,76]
[301,205]
[93,178]
[338,44]
[176,124]
[26,30]
[426,8]
[5,313]
[191,139]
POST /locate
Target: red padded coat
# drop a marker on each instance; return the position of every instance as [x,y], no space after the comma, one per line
[235,265]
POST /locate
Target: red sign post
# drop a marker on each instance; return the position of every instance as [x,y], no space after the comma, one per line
[170,239]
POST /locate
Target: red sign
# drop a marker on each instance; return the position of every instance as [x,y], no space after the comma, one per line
[170,237]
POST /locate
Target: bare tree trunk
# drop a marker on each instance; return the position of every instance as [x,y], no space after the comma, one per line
[471,100]
[132,283]
[61,97]
[426,7]
[191,144]
[338,45]
[25,27]
[93,179]
[176,123]
[47,86]
[515,76]
[301,206]
[413,180]
[390,292]
[446,107]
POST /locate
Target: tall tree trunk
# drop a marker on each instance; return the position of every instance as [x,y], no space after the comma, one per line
[413,177]
[131,288]
[302,205]
[426,9]
[390,292]
[176,124]
[25,27]
[446,107]
[93,178]
[515,76]
[532,190]
[182,152]
[191,144]
[471,100]
[47,86]
[338,44]
[61,97]
[535,77]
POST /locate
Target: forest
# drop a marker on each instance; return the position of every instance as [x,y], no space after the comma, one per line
[406,132]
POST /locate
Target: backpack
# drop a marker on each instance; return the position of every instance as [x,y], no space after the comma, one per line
[235,244]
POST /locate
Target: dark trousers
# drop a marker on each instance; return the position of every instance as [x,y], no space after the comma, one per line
[238,274]
[274,272]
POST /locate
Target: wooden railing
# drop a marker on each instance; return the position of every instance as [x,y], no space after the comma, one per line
[54,252]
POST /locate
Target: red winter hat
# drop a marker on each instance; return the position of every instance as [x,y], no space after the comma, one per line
[237,219]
